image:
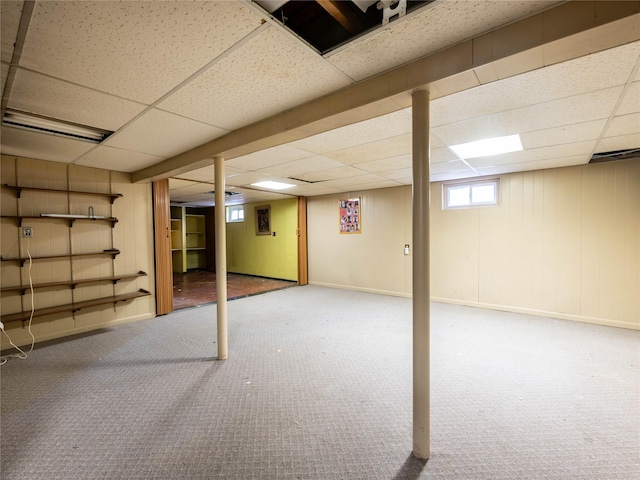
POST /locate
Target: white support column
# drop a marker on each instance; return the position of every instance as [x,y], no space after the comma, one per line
[421,267]
[221,258]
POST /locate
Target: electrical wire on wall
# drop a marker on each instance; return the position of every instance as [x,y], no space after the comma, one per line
[21,353]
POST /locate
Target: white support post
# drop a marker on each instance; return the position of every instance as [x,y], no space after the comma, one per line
[221,258]
[421,268]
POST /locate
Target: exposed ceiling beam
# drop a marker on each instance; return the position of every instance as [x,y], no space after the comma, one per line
[389,91]
[343,14]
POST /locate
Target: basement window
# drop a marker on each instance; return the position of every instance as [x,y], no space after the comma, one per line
[235,213]
[477,193]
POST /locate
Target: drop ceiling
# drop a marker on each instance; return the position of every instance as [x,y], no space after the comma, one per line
[168,77]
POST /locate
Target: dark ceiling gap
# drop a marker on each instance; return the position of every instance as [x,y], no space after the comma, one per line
[328,24]
[628,154]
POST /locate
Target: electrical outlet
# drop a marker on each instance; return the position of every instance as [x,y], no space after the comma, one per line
[27,232]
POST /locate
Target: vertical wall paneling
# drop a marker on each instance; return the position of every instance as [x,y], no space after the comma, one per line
[373,260]
[303,268]
[131,234]
[563,243]
[162,229]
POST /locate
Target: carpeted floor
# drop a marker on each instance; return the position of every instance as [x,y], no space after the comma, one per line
[318,386]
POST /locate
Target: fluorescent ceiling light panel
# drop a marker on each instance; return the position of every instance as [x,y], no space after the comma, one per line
[487,147]
[273,185]
[51,126]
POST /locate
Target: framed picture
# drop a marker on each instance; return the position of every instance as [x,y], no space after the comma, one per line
[350,215]
[263,220]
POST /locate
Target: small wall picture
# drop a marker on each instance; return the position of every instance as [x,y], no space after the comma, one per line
[263,220]
[350,216]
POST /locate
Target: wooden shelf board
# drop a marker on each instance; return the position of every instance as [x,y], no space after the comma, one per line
[73,283]
[65,255]
[69,219]
[112,196]
[72,307]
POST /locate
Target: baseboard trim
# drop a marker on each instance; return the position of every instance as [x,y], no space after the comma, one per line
[541,313]
[361,289]
[75,331]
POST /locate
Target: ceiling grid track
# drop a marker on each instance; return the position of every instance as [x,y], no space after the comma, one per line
[630,80]
[186,81]
[25,20]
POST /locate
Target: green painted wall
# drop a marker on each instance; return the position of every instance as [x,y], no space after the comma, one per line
[262,255]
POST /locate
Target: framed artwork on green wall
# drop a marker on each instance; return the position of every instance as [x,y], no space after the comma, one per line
[263,220]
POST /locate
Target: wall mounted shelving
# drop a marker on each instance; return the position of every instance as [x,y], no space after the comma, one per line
[72,283]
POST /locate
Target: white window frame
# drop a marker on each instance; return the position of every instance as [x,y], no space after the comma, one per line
[235,208]
[449,186]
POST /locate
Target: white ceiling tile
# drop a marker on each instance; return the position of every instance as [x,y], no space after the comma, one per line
[247,178]
[195,187]
[23,143]
[449,167]
[204,174]
[536,165]
[314,189]
[435,142]
[631,101]
[373,185]
[437,26]
[577,132]
[138,50]
[117,159]
[10,13]
[164,134]
[302,166]
[580,76]
[624,125]
[386,164]
[267,158]
[583,149]
[438,155]
[391,125]
[175,183]
[623,142]
[383,148]
[331,174]
[274,65]
[398,174]
[576,109]
[47,96]
[348,182]
[457,175]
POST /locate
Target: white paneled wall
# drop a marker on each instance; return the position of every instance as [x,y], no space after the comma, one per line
[562,242]
[132,234]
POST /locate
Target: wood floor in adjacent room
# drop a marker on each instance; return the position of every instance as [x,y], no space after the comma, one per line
[198,287]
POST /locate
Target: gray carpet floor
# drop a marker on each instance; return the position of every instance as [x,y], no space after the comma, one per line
[318,386]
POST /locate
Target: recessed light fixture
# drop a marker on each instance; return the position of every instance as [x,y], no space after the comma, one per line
[52,126]
[271,185]
[487,147]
